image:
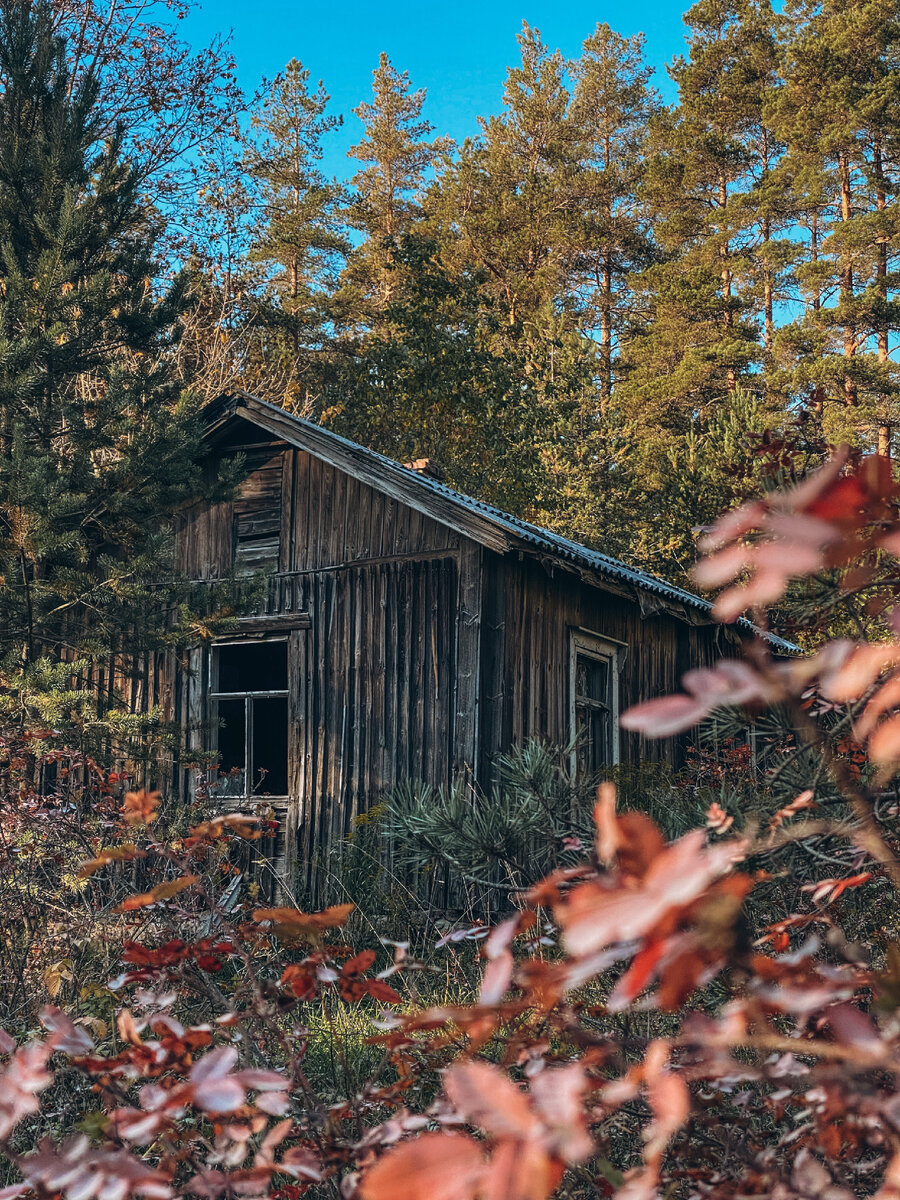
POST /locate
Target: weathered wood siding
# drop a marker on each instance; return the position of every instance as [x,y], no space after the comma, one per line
[375,687]
[529,614]
[330,519]
[414,653]
[372,680]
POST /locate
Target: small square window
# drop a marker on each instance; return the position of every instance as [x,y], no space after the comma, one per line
[249,712]
[594,703]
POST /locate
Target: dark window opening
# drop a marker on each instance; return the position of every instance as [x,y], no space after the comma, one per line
[250,713]
[269,752]
[594,705]
[251,667]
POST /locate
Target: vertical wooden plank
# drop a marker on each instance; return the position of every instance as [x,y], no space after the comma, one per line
[297,647]
[380,684]
[354,764]
[405,657]
[286,543]
[491,665]
[417,670]
[466,700]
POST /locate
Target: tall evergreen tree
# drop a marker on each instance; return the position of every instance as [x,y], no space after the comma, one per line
[441,386]
[97,447]
[612,104]
[710,301]
[396,157]
[837,117]
[299,237]
[510,205]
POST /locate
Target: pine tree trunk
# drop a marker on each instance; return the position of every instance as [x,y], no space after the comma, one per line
[768,286]
[884,428]
[606,324]
[850,396]
[726,279]
[768,294]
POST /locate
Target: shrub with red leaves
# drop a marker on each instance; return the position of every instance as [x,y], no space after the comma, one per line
[632,1035]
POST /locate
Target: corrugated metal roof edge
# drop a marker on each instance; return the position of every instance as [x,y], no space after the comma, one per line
[534,535]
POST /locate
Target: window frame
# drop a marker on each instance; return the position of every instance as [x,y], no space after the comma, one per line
[213,696]
[584,643]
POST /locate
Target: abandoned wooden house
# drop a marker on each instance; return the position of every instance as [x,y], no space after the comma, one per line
[406,632]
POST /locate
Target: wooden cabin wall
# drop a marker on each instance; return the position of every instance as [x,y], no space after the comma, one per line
[374,687]
[425,654]
[529,613]
[373,682]
[329,518]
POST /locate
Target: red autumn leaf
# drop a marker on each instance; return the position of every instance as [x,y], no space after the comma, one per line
[291,923]
[485,1096]
[359,963]
[496,979]
[669,1100]
[521,1171]
[300,980]
[594,916]
[65,1034]
[605,823]
[865,662]
[639,974]
[215,1090]
[729,683]
[826,891]
[804,800]
[435,1166]
[379,990]
[114,854]
[558,1097]
[640,843]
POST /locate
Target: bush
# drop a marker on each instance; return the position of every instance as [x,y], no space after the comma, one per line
[641,1026]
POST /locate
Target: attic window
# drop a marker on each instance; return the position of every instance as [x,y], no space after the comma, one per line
[594,702]
[249,708]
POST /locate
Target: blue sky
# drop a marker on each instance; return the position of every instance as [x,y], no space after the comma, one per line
[458,51]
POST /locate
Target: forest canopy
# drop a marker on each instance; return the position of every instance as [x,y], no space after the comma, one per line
[589,311]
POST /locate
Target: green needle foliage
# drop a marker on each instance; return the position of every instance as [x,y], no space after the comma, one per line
[98,447]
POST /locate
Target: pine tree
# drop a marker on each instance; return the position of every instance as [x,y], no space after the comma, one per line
[299,237]
[613,102]
[97,447]
[387,190]
[715,211]
[837,117]
[510,205]
[440,387]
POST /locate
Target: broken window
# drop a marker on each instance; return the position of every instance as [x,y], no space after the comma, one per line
[249,711]
[594,692]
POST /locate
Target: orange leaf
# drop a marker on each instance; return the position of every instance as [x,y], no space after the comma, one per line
[359,963]
[521,1171]
[105,857]
[139,808]
[605,822]
[485,1096]
[162,891]
[884,744]
[379,990]
[292,923]
[435,1166]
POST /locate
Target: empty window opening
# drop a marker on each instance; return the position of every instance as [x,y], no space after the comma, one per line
[249,710]
[594,691]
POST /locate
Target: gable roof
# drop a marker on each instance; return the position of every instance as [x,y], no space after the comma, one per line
[483,523]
